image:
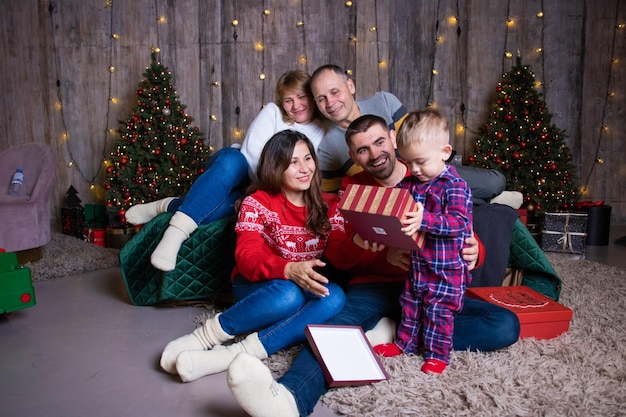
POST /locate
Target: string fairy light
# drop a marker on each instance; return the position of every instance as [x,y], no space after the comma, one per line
[433,71]
[462,128]
[65,136]
[266,12]
[380,62]
[352,39]
[235,23]
[597,160]
[212,116]
[509,23]
[540,50]
[300,24]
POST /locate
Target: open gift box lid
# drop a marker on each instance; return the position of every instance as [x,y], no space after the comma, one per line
[540,317]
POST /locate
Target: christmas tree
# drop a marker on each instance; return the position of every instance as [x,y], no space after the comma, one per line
[157,154]
[520,141]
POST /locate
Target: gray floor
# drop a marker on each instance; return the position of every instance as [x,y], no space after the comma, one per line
[84,350]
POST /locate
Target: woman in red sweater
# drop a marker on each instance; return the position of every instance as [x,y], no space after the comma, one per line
[284,226]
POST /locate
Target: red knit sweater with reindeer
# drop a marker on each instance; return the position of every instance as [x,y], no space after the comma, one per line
[271,233]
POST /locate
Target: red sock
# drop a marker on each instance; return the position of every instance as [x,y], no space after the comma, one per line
[433,366]
[388,350]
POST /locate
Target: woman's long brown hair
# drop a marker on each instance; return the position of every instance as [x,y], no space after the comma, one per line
[275,160]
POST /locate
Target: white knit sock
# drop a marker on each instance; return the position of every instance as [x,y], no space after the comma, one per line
[204,337]
[512,199]
[194,364]
[174,348]
[383,332]
[143,213]
[164,255]
[252,385]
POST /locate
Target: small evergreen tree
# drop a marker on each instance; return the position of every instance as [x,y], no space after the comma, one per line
[520,141]
[158,153]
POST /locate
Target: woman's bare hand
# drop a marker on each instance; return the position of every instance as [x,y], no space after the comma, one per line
[304,274]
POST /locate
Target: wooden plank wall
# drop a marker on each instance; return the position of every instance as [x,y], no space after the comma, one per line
[59,87]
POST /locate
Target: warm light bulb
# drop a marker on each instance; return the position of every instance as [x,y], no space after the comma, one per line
[349,72]
[373,29]
[235,22]
[111,69]
[216,83]
[259,46]
[604,128]
[381,63]
[540,14]
[92,186]
[460,128]
[348,3]
[64,135]
[262,76]
[508,55]
[161,19]
[299,23]
[539,50]
[352,38]
[213,117]
[115,36]
[435,72]
[111,131]
[510,22]
[58,105]
[266,12]
[70,164]
[621,25]
[453,20]
[303,58]
[156,49]
[614,60]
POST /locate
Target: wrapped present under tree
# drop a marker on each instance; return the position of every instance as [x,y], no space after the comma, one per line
[564,232]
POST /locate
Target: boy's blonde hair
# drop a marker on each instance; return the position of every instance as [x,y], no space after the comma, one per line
[423,126]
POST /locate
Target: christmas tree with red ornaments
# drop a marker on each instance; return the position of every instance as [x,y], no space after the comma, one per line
[520,141]
[157,153]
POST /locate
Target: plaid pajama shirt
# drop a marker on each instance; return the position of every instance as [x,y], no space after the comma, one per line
[435,285]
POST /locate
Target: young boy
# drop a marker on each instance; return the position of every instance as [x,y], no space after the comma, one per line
[438,276]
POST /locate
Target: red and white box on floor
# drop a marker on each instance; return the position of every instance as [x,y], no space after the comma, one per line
[540,317]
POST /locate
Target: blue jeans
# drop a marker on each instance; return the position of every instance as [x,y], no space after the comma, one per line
[479,326]
[213,194]
[485,183]
[280,308]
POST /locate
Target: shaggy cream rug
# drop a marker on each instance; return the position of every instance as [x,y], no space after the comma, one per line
[66,255]
[580,373]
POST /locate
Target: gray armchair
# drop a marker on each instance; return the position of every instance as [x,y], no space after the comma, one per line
[25,218]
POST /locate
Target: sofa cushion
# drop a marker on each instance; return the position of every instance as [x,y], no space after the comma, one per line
[203,267]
